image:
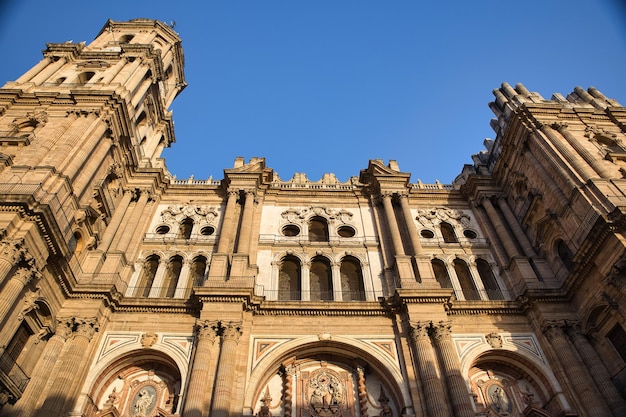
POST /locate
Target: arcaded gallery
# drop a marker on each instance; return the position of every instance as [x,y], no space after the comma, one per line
[125,292]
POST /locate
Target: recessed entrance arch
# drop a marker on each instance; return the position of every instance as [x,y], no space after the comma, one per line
[324,376]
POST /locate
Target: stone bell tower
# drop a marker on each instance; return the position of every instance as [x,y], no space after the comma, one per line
[80,128]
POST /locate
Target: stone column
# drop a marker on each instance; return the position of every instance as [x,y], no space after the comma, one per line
[64,150]
[79,186]
[184,280]
[113,71]
[596,368]
[158,283]
[425,269]
[289,372]
[48,71]
[575,162]
[336,280]
[122,76]
[243,244]
[577,375]
[457,387]
[11,252]
[72,361]
[505,237]
[196,401]
[133,220]
[434,395]
[38,379]
[362,391]
[515,227]
[392,224]
[28,75]
[548,181]
[305,284]
[228,226]
[85,145]
[226,370]
[116,220]
[52,140]
[596,163]
[14,287]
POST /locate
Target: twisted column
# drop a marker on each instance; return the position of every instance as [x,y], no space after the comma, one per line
[195,402]
[426,363]
[226,369]
[577,375]
[362,390]
[457,387]
[61,390]
[41,373]
[289,372]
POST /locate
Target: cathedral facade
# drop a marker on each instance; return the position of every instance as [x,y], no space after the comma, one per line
[127,292]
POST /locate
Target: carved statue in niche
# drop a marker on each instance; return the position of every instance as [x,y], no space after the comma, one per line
[144,402]
[325,393]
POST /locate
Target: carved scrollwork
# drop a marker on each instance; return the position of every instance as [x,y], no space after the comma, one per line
[299,215]
[434,216]
[199,213]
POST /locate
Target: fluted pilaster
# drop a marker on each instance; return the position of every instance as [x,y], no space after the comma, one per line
[72,360]
[226,369]
[596,368]
[577,375]
[457,387]
[196,402]
[427,365]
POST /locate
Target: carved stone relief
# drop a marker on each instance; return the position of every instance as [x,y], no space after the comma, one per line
[434,216]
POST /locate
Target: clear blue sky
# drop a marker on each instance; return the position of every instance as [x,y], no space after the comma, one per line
[324,86]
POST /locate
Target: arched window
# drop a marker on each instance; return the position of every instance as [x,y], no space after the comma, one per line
[318,229]
[289,279]
[150,267]
[441,273]
[198,269]
[352,288]
[465,280]
[84,77]
[565,254]
[126,38]
[185,228]
[447,232]
[172,275]
[489,280]
[321,279]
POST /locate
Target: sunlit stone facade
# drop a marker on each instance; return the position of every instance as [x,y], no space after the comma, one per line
[127,292]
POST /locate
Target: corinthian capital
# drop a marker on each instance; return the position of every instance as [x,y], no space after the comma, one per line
[231,331]
[442,330]
[553,329]
[85,327]
[13,250]
[420,329]
[207,329]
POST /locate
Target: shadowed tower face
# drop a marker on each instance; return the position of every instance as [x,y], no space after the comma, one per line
[127,292]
